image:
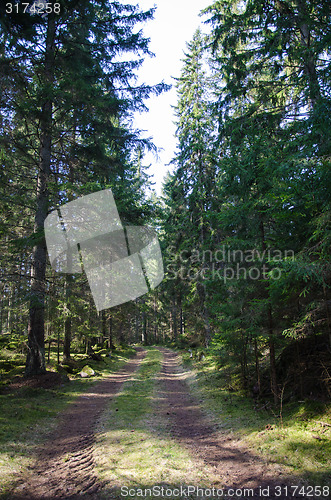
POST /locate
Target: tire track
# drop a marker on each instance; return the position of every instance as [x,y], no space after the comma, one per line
[236,466]
[64,465]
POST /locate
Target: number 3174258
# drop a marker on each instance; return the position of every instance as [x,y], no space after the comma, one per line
[33,8]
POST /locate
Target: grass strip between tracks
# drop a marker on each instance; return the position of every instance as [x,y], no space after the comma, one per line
[134,449]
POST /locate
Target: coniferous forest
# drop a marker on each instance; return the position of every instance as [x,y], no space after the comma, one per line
[243,219]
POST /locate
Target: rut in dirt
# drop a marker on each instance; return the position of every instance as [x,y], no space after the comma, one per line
[64,467]
[234,465]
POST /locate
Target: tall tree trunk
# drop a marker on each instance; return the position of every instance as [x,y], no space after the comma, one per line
[110,332]
[137,322]
[10,311]
[244,368]
[1,314]
[201,288]
[257,366]
[155,320]
[307,43]
[328,319]
[35,362]
[67,322]
[58,347]
[272,353]
[174,318]
[69,278]
[144,323]
[103,327]
[181,329]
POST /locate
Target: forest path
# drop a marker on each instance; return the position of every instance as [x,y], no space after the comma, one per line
[235,466]
[64,467]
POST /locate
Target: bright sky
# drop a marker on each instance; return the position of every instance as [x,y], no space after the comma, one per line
[174,24]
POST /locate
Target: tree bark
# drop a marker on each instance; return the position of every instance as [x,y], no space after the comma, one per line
[67,322]
[328,319]
[69,278]
[181,321]
[103,327]
[110,333]
[272,353]
[309,62]
[257,367]
[273,372]
[174,318]
[155,320]
[35,362]
[144,323]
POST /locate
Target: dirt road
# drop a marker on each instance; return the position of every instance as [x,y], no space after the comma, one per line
[235,466]
[64,466]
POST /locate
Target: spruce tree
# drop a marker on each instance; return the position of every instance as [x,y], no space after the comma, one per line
[191,188]
[67,98]
[273,120]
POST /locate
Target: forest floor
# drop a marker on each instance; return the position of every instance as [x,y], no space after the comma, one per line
[140,428]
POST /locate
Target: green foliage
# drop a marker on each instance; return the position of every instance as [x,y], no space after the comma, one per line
[252,176]
[68,82]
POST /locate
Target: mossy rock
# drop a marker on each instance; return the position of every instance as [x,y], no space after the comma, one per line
[72,366]
[87,372]
[61,369]
[68,369]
